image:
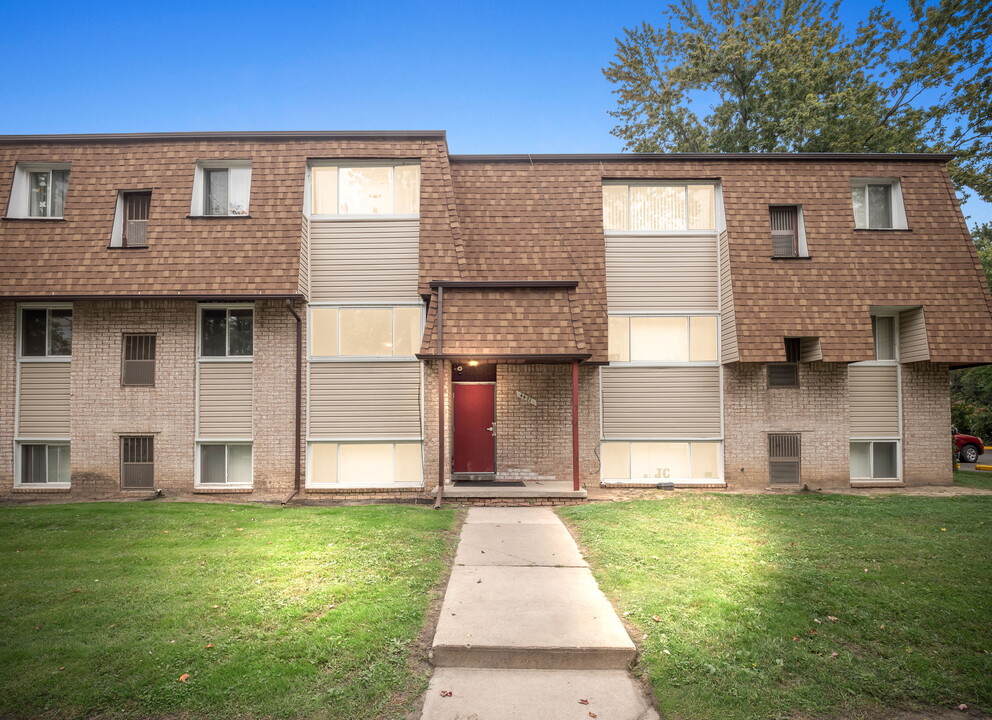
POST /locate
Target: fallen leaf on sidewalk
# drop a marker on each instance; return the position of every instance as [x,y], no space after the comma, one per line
[592,714]
[445,693]
[583,701]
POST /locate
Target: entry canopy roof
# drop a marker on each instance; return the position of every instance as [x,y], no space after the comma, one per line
[537,322]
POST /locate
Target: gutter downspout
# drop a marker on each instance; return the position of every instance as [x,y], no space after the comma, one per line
[299,401]
[440,401]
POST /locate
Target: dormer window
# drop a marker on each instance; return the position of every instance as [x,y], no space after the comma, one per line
[658,206]
[221,188]
[39,190]
[877,204]
[788,233]
[131,219]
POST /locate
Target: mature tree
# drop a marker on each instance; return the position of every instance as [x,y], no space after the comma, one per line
[785,75]
[982,235]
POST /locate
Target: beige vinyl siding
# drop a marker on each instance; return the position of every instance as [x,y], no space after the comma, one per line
[225,400]
[809,350]
[44,400]
[874,400]
[365,400]
[728,321]
[657,274]
[913,344]
[364,260]
[305,258]
[661,402]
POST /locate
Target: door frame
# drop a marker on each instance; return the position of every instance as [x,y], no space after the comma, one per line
[454,420]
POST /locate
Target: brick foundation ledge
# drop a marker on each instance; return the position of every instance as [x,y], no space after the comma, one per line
[40,491]
[223,491]
[362,491]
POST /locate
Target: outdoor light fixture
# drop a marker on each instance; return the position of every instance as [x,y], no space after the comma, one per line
[473,363]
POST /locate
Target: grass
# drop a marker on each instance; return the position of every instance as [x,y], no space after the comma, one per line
[271,612]
[973,479]
[767,606]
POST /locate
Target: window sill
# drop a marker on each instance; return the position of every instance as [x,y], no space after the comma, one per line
[45,358]
[905,229]
[791,257]
[42,488]
[349,218]
[220,489]
[34,219]
[653,483]
[877,483]
[127,247]
[218,217]
[226,358]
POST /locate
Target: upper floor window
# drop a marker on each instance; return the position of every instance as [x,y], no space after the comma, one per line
[226,331]
[788,233]
[883,329]
[131,219]
[365,331]
[373,189]
[221,187]
[39,190]
[659,206]
[877,204]
[46,332]
[663,339]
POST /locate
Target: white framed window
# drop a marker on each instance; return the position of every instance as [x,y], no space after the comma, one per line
[664,339]
[46,331]
[221,188]
[366,464]
[788,231]
[43,463]
[226,331]
[227,464]
[688,461]
[877,204]
[875,459]
[659,206]
[39,190]
[372,331]
[364,189]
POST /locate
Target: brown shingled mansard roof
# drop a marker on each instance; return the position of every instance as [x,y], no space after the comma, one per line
[513,219]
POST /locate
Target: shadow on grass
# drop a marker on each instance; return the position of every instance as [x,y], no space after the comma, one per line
[759,607]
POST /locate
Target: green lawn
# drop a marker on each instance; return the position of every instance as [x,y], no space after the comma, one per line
[270,612]
[766,606]
[973,478]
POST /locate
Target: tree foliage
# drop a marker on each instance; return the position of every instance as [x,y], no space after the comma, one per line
[971,388]
[786,76]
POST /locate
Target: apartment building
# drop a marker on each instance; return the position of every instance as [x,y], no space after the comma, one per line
[362,314]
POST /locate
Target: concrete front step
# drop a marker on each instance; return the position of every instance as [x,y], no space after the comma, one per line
[500,694]
[528,617]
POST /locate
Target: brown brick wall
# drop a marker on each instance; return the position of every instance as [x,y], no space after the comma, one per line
[429,421]
[103,410]
[535,441]
[8,389]
[926,418]
[817,409]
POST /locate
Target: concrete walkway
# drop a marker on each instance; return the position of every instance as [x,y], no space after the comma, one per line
[525,632]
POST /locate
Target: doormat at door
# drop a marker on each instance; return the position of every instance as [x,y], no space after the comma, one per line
[489,483]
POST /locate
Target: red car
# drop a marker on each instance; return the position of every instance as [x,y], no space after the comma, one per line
[970,448]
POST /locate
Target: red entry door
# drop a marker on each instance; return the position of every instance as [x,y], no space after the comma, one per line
[475,441]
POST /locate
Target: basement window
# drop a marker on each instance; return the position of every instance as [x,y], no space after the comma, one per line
[784,458]
[44,464]
[225,464]
[649,461]
[875,460]
[343,464]
[137,462]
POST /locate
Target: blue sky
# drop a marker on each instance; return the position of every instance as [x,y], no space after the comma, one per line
[500,77]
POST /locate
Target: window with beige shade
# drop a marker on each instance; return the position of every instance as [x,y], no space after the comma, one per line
[372,189]
[663,338]
[364,463]
[663,207]
[639,461]
[365,331]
